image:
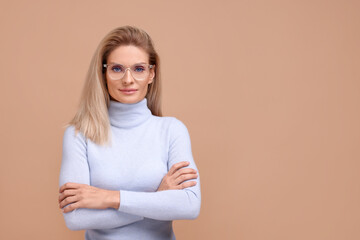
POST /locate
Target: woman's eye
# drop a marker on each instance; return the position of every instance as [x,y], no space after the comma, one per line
[116,69]
[139,69]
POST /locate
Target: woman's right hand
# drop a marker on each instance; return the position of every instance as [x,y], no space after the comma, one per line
[176,176]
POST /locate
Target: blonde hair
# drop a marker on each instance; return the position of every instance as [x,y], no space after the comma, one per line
[92,118]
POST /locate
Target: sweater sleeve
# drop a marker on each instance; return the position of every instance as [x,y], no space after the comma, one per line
[75,168]
[169,204]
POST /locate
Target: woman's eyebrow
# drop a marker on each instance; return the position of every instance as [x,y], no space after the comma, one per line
[123,64]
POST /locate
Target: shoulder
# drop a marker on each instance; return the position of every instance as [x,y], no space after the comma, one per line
[73,135]
[177,124]
[70,131]
[171,123]
[177,129]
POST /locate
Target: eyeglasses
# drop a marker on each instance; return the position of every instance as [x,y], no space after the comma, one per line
[139,71]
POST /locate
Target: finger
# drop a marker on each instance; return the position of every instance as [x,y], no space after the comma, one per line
[176,166]
[68,185]
[68,200]
[185,177]
[66,193]
[184,171]
[71,207]
[187,184]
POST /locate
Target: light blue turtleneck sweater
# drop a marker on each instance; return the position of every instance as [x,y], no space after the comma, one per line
[144,147]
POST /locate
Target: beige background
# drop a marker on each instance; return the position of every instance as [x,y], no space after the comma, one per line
[269,91]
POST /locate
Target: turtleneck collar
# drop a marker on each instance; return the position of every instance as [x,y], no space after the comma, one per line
[127,115]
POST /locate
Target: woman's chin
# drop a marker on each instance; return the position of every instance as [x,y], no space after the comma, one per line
[133,98]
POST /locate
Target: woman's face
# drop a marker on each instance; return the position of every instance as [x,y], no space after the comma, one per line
[128,56]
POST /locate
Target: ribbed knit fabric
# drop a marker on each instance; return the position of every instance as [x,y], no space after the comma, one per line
[144,147]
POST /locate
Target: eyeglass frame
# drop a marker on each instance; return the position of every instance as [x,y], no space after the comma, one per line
[105,65]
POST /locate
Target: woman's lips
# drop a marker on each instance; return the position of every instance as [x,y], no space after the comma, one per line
[128,91]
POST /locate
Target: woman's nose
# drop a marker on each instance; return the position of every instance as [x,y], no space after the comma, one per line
[127,77]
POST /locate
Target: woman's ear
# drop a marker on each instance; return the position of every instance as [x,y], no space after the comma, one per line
[152,75]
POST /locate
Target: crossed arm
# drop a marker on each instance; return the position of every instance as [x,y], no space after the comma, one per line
[94,208]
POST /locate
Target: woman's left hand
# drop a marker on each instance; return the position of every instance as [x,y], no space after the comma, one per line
[85,196]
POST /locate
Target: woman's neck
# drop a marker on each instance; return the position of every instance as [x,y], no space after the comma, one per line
[127,115]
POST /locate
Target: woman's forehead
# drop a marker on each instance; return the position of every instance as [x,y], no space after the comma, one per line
[128,55]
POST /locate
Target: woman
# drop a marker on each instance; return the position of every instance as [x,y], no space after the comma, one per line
[127,172]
